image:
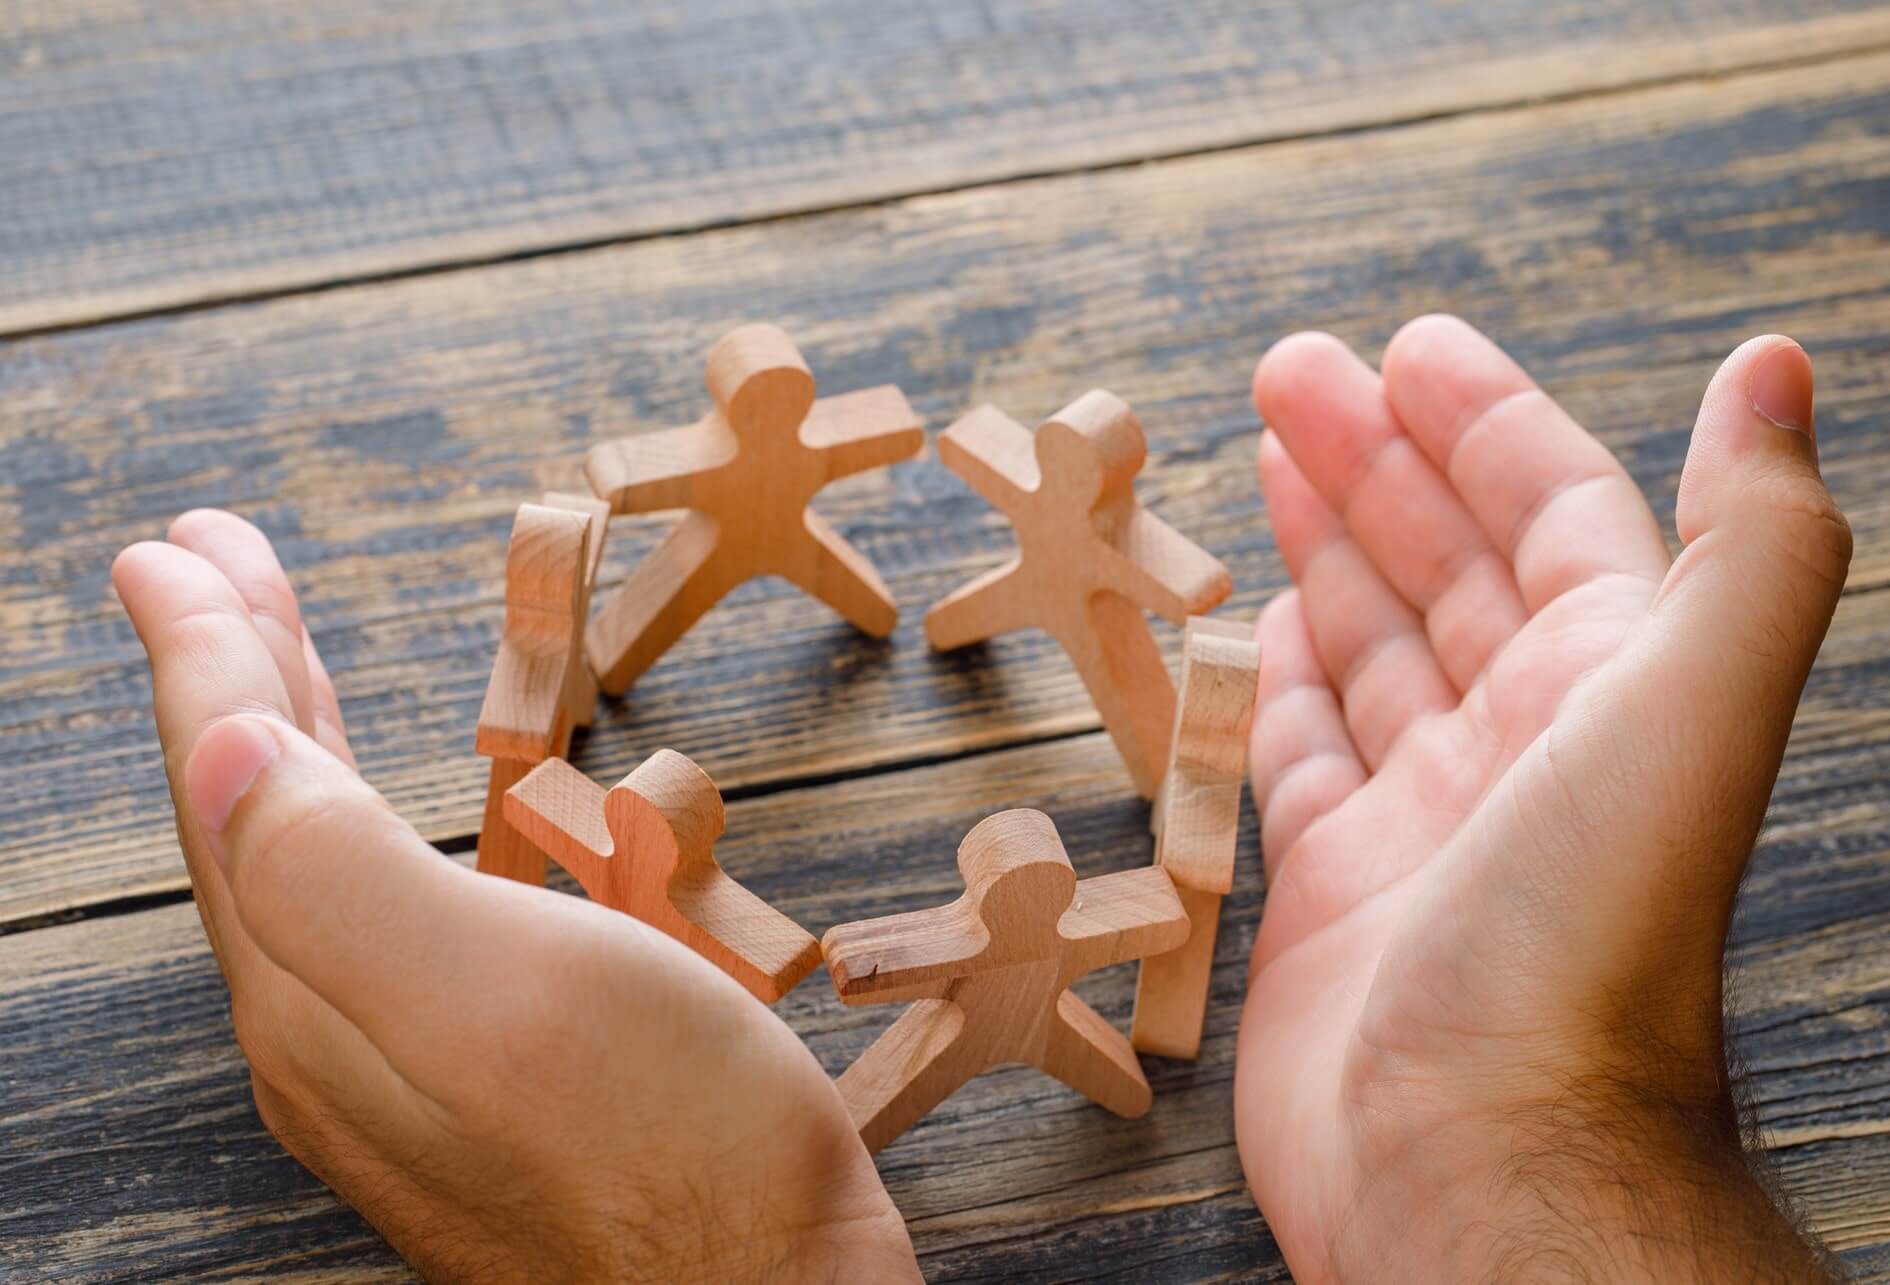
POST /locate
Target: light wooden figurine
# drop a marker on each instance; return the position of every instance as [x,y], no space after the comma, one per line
[647,847]
[746,472]
[989,976]
[541,689]
[1090,559]
[1196,822]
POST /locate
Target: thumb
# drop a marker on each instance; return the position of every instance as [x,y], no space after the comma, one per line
[343,894]
[1767,548]
[1687,726]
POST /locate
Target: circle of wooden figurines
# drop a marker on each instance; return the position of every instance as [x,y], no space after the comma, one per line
[986,977]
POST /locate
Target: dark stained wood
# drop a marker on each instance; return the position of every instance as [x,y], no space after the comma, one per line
[384,434]
[157,155]
[123,1082]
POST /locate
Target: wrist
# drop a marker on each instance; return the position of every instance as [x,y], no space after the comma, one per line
[1575,1189]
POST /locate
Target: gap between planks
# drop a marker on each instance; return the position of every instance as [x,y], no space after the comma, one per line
[1839,40]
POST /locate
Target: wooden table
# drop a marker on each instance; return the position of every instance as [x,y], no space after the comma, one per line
[372,274]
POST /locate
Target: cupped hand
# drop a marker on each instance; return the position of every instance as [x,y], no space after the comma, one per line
[1512,758]
[507,1082]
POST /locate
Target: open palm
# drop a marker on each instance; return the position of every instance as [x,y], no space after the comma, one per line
[510,1084]
[1511,758]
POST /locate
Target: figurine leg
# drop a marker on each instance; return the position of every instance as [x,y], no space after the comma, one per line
[580,697]
[663,597]
[906,1072]
[830,569]
[1171,990]
[986,607]
[503,851]
[1127,680]
[1090,1056]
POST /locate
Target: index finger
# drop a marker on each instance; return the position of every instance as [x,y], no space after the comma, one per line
[207,659]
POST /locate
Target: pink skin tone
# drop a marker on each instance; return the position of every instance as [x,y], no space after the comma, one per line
[510,1084]
[1511,759]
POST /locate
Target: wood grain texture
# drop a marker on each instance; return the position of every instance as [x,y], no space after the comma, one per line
[128,1146]
[987,977]
[384,435]
[746,475]
[541,690]
[1092,563]
[646,847]
[156,155]
[1196,824]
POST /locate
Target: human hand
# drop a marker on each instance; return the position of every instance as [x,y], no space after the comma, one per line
[508,1083]
[1512,759]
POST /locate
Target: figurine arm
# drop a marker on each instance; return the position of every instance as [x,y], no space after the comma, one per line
[747,938]
[1122,916]
[906,957]
[858,431]
[994,453]
[1165,572]
[651,472]
[561,810]
[526,710]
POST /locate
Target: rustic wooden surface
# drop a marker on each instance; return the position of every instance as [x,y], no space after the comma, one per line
[1620,239]
[385,434]
[157,155]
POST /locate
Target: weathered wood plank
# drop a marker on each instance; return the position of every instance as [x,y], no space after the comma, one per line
[121,1081]
[383,434]
[152,156]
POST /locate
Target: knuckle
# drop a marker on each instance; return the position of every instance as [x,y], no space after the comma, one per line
[1811,530]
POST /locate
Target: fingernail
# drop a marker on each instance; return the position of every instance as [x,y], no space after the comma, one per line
[226,762]
[1781,388]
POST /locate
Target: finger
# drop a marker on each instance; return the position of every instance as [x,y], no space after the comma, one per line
[1552,498]
[1302,758]
[1700,705]
[207,662]
[244,556]
[329,729]
[1330,412]
[1369,640]
[1767,549]
[341,893]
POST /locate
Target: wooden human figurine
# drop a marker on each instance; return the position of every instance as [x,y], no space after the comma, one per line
[647,847]
[746,472]
[1090,559]
[541,689]
[989,976]
[1196,821]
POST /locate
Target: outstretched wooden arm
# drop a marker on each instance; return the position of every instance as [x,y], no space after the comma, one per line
[900,958]
[1119,917]
[858,431]
[1165,572]
[527,713]
[994,453]
[530,700]
[561,810]
[651,472]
